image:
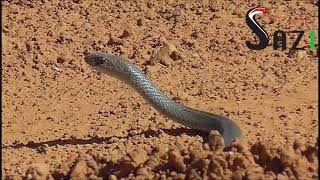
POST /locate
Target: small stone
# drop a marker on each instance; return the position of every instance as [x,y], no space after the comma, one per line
[216,141]
[176,161]
[301,54]
[298,146]
[282,177]
[139,22]
[283,116]
[312,169]
[196,65]
[138,156]
[55,68]
[61,59]
[183,96]
[162,54]
[166,61]
[29,46]
[142,171]
[92,164]
[77,1]
[43,149]
[80,170]
[151,15]
[112,177]
[237,175]
[196,153]
[152,69]
[29,176]
[173,173]
[172,48]
[206,146]
[311,153]
[286,158]
[177,12]
[39,171]
[311,107]
[127,32]
[152,162]
[113,140]
[115,41]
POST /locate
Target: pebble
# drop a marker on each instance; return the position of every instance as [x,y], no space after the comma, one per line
[127,32]
[176,161]
[216,141]
[79,170]
[112,177]
[177,12]
[162,54]
[152,69]
[142,171]
[38,171]
[206,146]
[138,156]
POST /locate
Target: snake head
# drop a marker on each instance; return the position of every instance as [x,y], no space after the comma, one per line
[105,63]
[112,65]
[96,59]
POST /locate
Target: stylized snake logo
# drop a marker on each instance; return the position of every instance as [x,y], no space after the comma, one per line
[257,29]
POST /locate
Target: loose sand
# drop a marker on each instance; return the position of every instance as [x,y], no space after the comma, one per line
[62,119]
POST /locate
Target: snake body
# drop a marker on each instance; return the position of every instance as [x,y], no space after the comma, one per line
[123,70]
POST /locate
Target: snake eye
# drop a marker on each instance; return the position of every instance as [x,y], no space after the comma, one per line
[100,61]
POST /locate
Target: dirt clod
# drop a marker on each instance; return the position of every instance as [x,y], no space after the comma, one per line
[38,171]
[215,140]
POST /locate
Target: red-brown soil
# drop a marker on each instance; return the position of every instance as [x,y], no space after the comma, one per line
[62,119]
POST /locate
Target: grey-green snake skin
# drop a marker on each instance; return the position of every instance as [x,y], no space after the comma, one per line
[123,70]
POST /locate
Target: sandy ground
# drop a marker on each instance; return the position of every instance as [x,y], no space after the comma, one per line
[62,119]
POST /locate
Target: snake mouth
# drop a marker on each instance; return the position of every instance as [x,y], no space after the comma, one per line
[89,59]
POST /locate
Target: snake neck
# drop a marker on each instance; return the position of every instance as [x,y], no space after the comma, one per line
[150,93]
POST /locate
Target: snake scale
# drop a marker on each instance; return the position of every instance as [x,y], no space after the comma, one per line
[123,70]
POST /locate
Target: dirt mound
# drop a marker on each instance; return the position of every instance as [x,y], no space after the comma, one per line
[261,161]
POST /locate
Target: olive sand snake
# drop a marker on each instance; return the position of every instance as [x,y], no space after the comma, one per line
[123,70]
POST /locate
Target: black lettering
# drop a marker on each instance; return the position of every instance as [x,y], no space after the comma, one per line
[276,40]
[259,31]
[296,42]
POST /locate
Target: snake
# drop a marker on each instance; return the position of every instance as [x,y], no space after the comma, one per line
[123,70]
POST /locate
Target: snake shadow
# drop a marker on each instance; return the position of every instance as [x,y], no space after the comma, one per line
[105,140]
